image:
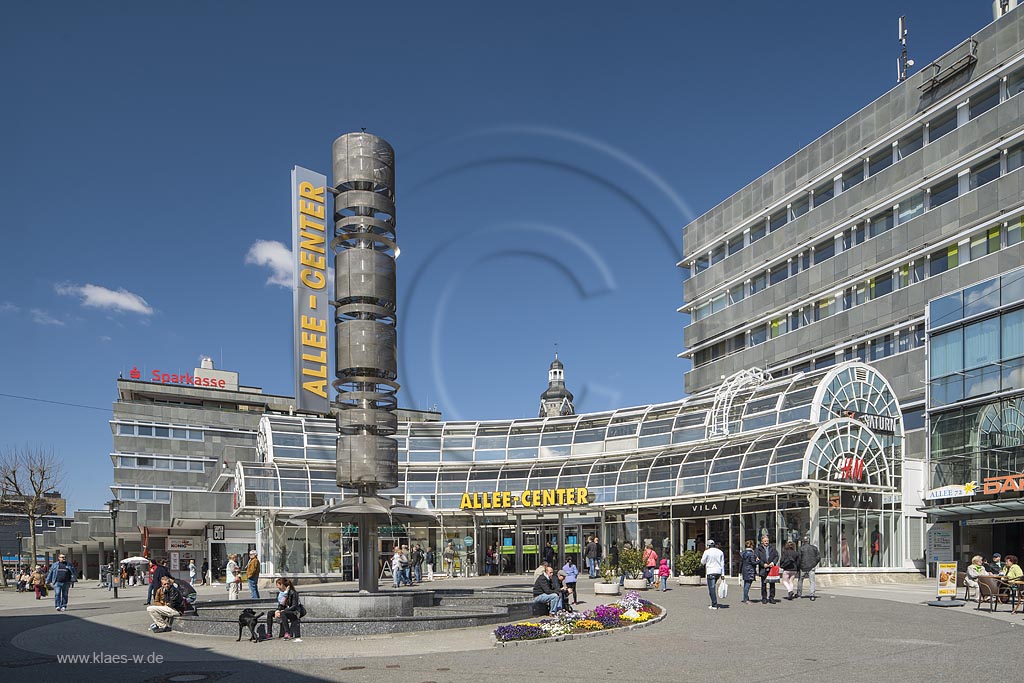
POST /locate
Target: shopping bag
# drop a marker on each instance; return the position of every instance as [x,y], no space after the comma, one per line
[723,589]
[773,574]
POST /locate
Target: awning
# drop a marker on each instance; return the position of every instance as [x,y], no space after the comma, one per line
[986,507]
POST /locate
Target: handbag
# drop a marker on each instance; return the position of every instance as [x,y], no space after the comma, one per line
[773,574]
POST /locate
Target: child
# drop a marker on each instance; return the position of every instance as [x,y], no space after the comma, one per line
[664,572]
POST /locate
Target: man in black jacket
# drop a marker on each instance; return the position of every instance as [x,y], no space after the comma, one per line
[548,554]
[767,557]
[173,605]
[809,559]
[159,573]
[545,590]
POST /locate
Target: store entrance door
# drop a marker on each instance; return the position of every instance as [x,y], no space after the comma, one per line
[719,530]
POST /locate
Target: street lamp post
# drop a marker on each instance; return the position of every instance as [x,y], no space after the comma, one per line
[113,506]
[19,536]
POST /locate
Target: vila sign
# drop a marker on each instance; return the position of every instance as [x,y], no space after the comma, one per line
[1010,483]
[309,249]
[500,500]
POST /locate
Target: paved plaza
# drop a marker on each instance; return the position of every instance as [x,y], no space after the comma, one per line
[865,633]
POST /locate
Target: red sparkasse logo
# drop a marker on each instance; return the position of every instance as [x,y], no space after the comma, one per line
[183,378]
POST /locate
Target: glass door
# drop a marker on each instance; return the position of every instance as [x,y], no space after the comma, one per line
[532,545]
[719,530]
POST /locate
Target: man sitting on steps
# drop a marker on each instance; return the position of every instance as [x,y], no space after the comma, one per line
[545,590]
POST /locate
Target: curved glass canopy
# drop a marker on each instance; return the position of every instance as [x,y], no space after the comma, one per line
[805,427]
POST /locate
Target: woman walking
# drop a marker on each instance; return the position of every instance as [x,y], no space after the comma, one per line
[789,563]
[39,582]
[571,575]
[650,564]
[748,569]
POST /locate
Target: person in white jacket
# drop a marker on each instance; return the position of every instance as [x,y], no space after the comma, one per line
[714,566]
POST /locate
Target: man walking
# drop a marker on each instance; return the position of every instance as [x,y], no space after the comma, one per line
[417,563]
[252,575]
[544,590]
[713,560]
[809,559]
[61,576]
[767,557]
[449,559]
[590,554]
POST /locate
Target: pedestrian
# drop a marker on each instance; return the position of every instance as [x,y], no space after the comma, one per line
[252,575]
[171,604]
[996,566]
[406,564]
[571,573]
[809,559]
[767,557]
[789,563]
[232,576]
[62,577]
[396,566]
[613,554]
[289,612]
[748,569]
[650,564]
[598,554]
[430,558]
[488,557]
[544,590]
[158,573]
[205,570]
[496,560]
[664,572]
[39,581]
[418,560]
[713,560]
[589,552]
[549,553]
[192,572]
[449,559]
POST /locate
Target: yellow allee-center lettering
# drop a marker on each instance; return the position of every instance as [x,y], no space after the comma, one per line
[312,256]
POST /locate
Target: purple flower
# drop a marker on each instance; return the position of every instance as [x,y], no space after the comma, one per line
[518,632]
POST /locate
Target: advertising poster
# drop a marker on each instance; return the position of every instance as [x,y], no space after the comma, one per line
[946,576]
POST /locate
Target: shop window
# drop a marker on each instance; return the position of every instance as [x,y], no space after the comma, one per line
[882,222]
[984,101]
[911,207]
[777,220]
[985,173]
[799,208]
[881,285]
[943,260]
[910,143]
[853,176]
[824,250]
[1014,158]
[735,244]
[942,124]
[717,254]
[779,273]
[824,193]
[880,160]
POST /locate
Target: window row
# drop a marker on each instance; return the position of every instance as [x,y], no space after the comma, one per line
[980,244]
[885,220]
[146,462]
[878,160]
[144,495]
[159,431]
[981,358]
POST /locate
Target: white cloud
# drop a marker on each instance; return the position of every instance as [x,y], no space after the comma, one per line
[277,257]
[41,317]
[8,307]
[95,296]
[105,339]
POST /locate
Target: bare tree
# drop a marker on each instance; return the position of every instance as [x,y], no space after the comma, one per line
[30,480]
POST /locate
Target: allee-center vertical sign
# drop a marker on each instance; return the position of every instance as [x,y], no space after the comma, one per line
[310,244]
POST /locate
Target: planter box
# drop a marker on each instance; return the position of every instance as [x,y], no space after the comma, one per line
[606,588]
[689,580]
[636,584]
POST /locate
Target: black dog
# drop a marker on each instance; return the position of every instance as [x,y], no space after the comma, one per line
[251,619]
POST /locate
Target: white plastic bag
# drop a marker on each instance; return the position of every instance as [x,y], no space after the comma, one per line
[723,588]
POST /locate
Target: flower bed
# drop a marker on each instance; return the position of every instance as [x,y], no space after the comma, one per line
[630,609]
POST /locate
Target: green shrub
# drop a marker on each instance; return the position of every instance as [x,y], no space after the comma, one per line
[689,563]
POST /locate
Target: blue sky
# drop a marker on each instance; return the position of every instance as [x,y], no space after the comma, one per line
[548,156]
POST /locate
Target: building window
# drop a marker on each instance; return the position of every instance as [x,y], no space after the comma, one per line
[717,254]
[779,273]
[881,347]
[881,160]
[777,220]
[39,522]
[799,208]
[700,264]
[943,192]
[911,207]
[1013,231]
[779,327]
[985,173]
[1014,157]
[824,193]
[757,231]
[758,335]
[882,222]
[1015,83]
[940,125]
[758,282]
[984,243]
[854,296]
[736,294]
[824,250]
[910,143]
[853,236]
[984,101]
[736,244]
[824,308]
[942,260]
[881,285]
[853,176]
[51,523]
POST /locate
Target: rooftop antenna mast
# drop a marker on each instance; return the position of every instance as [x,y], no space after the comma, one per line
[903,63]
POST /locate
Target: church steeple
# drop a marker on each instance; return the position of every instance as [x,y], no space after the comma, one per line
[557,400]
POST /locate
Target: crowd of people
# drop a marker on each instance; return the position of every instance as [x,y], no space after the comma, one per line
[763,561]
[1007,568]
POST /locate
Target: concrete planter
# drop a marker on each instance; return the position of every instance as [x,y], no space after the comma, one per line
[636,584]
[689,580]
[606,588]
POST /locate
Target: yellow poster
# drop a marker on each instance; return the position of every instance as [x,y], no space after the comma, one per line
[946,575]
